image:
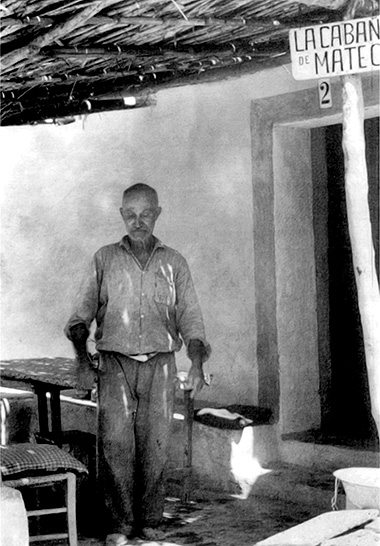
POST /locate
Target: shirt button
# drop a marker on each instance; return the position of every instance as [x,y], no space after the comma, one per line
[142,316]
[142,294]
[140,336]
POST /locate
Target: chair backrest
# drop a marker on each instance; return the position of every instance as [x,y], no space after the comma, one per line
[4,412]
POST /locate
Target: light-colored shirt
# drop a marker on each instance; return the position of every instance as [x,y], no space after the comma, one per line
[138,310]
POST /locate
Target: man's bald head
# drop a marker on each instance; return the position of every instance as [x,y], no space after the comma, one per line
[142,190]
[140,211]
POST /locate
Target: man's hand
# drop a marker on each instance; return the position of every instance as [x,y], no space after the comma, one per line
[85,372]
[84,365]
[195,380]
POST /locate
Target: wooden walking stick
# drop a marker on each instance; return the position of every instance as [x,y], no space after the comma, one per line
[188,466]
[187,470]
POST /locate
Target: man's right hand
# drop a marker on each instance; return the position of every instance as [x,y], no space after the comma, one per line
[84,365]
[85,372]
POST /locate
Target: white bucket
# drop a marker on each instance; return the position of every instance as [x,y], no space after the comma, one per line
[362,487]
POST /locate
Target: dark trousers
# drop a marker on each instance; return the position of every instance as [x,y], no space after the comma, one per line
[135,409]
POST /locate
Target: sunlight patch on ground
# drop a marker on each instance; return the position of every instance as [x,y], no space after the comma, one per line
[245,467]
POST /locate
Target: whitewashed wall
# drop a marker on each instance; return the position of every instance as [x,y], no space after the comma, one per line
[61,189]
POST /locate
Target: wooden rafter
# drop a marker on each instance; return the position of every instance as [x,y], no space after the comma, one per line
[53,34]
[154,21]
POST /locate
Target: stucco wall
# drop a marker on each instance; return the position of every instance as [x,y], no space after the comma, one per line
[295,281]
[61,189]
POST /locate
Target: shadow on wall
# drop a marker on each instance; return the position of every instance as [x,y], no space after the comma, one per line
[22,421]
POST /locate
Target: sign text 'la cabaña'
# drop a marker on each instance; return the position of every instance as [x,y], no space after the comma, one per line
[334,49]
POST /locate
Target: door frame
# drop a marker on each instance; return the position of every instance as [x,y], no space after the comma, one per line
[291,379]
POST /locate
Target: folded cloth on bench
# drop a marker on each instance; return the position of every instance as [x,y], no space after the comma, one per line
[233,416]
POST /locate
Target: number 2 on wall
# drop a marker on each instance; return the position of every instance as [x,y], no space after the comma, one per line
[324,88]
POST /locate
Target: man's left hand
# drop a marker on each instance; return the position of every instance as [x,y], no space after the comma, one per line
[195,380]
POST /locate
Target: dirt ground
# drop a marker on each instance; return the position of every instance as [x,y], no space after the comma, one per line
[222,520]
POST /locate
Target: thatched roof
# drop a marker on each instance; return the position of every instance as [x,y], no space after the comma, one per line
[62,58]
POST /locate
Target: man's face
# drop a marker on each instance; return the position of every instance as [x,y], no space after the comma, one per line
[140,213]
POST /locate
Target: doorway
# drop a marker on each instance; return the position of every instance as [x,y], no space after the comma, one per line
[291,268]
[345,399]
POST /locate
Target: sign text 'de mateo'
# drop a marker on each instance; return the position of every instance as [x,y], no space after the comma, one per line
[346,47]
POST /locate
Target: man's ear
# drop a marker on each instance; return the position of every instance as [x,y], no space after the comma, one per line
[158,212]
[121,210]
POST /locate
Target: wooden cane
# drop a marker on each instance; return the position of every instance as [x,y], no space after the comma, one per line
[188,466]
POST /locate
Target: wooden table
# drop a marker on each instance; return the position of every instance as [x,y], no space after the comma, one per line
[52,375]
[44,375]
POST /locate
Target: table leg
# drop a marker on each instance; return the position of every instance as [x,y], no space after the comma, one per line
[56,424]
[42,410]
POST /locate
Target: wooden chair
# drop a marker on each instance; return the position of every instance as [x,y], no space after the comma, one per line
[41,465]
[69,479]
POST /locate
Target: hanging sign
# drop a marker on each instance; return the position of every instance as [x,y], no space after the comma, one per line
[334,49]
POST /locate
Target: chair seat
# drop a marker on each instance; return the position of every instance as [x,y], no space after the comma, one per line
[40,465]
[33,459]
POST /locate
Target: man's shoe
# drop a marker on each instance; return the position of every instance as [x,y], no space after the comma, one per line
[116,539]
[152,533]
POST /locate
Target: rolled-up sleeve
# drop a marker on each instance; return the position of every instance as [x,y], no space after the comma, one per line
[188,312]
[86,301]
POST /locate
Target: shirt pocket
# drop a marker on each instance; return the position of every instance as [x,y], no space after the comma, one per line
[163,289]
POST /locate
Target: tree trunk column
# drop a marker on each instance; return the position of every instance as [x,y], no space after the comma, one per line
[359,223]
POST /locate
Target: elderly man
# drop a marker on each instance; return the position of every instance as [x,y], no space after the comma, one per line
[141,294]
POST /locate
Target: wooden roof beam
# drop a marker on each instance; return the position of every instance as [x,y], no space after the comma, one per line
[155,21]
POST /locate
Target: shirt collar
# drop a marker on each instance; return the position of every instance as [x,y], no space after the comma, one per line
[125,243]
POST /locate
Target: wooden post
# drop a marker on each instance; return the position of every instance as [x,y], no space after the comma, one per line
[359,223]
